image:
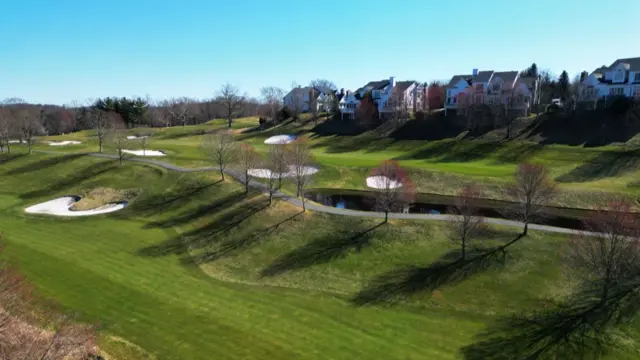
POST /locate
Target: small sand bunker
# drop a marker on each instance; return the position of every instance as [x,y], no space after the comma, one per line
[62,207]
[280,139]
[136,137]
[382,182]
[145,152]
[16,142]
[266,173]
[63,143]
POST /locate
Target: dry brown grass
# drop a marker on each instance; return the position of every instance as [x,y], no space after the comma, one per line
[95,198]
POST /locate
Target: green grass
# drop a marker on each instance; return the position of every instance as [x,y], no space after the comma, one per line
[587,176]
[194,270]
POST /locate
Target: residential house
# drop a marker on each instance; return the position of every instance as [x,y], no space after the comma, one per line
[387,95]
[622,78]
[302,98]
[490,87]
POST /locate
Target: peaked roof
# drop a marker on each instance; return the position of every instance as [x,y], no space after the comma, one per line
[404,85]
[454,80]
[483,76]
[529,81]
[374,85]
[506,76]
[634,63]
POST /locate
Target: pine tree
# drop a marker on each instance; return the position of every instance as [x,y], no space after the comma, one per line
[563,83]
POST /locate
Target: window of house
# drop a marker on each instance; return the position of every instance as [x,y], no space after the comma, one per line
[455,99]
[637,77]
[619,76]
[616,91]
[527,99]
[636,92]
[479,87]
[495,87]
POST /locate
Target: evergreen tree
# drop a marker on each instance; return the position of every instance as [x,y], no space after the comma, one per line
[531,71]
[563,84]
[583,76]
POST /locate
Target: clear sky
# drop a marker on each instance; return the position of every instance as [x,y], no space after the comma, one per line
[64,50]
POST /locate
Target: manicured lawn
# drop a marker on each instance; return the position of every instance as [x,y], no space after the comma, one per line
[194,269]
[587,176]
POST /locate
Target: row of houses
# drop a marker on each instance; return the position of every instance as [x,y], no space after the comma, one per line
[510,89]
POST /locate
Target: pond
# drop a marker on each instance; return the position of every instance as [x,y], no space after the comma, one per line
[441,204]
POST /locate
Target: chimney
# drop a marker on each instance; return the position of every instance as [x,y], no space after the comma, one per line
[392,81]
[475,72]
[342,91]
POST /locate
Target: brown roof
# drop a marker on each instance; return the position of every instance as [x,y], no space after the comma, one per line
[507,76]
[404,85]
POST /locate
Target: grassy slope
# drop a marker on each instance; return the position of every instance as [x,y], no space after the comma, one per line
[129,272]
[584,173]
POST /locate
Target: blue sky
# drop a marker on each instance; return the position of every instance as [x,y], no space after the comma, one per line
[59,51]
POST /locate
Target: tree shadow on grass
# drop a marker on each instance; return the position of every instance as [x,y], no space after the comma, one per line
[320,251]
[76,178]
[605,165]
[6,158]
[449,269]
[175,198]
[579,328]
[208,234]
[231,244]
[42,164]
[203,210]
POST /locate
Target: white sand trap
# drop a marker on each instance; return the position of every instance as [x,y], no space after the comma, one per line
[136,137]
[266,173]
[280,139]
[63,143]
[16,142]
[382,182]
[145,152]
[62,207]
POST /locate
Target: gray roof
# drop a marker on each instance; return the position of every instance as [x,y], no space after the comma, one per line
[454,80]
[483,76]
[325,90]
[529,81]
[507,76]
[404,85]
[634,63]
[301,91]
[374,85]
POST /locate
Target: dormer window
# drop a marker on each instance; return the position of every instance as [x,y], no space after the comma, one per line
[619,76]
[637,77]
[495,87]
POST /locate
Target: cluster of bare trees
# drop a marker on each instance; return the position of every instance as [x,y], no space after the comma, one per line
[54,337]
[282,162]
[20,123]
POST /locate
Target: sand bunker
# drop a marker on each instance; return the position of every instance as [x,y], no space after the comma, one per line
[280,139]
[266,173]
[145,152]
[16,142]
[63,143]
[62,207]
[382,182]
[136,137]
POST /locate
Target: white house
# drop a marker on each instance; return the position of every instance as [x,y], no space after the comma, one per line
[622,78]
[301,98]
[386,95]
[492,88]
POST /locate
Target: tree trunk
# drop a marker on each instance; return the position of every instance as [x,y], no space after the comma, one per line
[100,144]
[8,148]
[526,228]
[463,252]
[386,216]
[270,198]
[121,158]
[230,120]
[30,146]
[246,182]
[222,173]
[304,205]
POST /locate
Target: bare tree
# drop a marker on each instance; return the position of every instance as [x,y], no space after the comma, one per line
[300,162]
[323,84]
[5,128]
[179,110]
[314,105]
[221,147]
[247,159]
[467,223]
[277,168]
[159,114]
[29,125]
[606,261]
[273,99]
[398,107]
[394,189]
[230,98]
[532,189]
[118,135]
[101,122]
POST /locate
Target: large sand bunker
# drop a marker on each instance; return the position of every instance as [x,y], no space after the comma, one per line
[266,173]
[63,143]
[62,207]
[382,182]
[133,137]
[145,152]
[280,139]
